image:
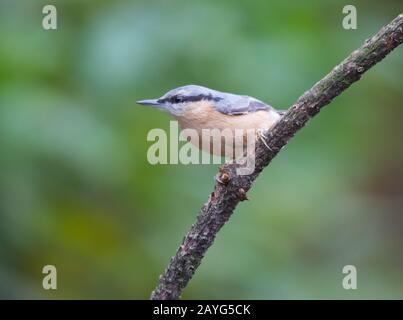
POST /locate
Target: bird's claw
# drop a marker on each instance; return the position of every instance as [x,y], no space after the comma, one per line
[262,137]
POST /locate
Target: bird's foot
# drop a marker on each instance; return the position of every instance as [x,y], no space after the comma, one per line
[261,136]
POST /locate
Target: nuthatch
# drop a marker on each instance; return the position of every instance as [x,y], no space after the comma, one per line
[196,107]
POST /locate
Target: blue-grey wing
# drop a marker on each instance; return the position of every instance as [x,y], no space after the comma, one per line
[236,105]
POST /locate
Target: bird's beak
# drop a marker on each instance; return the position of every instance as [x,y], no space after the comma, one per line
[150,102]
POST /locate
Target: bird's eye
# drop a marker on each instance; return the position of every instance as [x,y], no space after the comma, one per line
[177,99]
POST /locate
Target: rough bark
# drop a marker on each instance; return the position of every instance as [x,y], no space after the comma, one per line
[231,188]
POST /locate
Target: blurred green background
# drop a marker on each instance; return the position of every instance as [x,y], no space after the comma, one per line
[77,192]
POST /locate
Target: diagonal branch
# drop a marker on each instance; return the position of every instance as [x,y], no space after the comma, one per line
[232,188]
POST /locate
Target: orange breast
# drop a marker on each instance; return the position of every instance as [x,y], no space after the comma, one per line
[201,116]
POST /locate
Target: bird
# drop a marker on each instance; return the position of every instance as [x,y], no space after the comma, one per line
[200,108]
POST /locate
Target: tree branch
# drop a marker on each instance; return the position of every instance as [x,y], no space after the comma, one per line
[232,188]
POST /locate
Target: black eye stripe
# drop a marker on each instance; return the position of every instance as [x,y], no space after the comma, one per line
[179,99]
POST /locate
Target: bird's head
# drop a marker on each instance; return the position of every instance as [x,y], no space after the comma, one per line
[178,100]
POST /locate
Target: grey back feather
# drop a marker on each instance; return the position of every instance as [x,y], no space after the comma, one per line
[235,105]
